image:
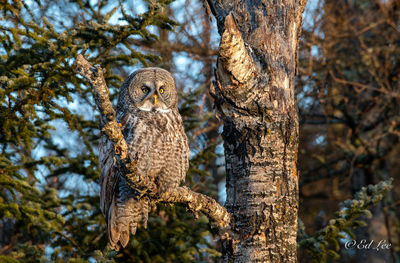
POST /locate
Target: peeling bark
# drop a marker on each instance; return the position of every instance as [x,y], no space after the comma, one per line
[254,95]
[195,202]
[233,56]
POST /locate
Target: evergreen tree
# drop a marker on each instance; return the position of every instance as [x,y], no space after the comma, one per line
[49,133]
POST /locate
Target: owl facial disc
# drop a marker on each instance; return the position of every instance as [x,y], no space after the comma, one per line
[151,90]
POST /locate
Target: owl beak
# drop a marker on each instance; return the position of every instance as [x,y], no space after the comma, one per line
[155,99]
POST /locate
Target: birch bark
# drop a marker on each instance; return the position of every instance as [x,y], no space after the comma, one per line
[254,95]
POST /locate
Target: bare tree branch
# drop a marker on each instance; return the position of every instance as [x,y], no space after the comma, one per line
[108,121]
[196,202]
[175,47]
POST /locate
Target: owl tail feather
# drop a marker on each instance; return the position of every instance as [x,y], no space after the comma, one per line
[123,219]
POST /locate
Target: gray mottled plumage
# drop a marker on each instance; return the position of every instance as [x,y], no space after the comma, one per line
[153,130]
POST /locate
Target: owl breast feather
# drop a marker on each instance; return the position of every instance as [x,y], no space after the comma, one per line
[158,143]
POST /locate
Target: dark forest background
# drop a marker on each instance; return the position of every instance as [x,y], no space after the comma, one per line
[348,94]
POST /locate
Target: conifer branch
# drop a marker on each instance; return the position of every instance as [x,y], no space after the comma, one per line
[196,202]
[326,240]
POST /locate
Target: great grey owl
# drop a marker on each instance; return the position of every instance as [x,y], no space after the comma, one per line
[152,127]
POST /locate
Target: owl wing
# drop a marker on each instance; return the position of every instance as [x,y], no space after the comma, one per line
[185,150]
[120,206]
[109,182]
[108,175]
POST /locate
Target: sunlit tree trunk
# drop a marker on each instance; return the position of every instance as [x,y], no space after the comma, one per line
[254,95]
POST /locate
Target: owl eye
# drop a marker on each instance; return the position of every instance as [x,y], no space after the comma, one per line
[161,90]
[146,90]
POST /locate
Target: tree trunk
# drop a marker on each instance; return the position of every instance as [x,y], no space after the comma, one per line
[254,95]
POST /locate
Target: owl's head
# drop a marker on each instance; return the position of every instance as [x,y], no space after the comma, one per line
[149,89]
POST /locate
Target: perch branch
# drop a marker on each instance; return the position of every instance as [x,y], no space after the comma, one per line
[108,121]
[196,202]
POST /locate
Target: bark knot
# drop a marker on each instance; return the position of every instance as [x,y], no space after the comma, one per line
[233,56]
